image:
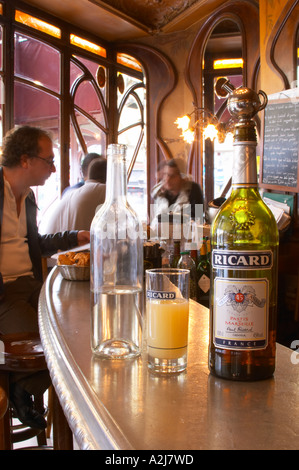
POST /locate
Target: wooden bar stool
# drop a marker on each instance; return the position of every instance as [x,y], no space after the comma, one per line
[23,353]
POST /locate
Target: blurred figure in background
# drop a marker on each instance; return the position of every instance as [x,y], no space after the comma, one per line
[160,171]
[89,157]
[77,208]
[175,190]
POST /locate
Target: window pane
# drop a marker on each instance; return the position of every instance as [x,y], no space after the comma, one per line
[133,114]
[130,114]
[37,108]
[98,72]
[76,155]
[137,192]
[94,137]
[75,73]
[89,112]
[36,23]
[223,162]
[130,139]
[87,45]
[87,99]
[36,61]
[128,83]
[128,61]
[227,64]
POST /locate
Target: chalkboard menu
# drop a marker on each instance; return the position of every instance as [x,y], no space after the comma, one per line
[280,133]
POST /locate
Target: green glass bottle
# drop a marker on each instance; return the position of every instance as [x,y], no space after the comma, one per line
[176,253]
[186,262]
[244,242]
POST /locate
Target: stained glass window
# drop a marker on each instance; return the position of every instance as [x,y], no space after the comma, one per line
[38,24]
[129,61]
[87,45]
[71,100]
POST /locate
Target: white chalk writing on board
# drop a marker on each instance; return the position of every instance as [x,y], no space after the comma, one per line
[281,140]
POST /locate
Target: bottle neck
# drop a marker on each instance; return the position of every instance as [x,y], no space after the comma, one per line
[116,184]
[244,165]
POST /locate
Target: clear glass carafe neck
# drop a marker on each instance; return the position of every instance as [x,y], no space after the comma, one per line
[116,184]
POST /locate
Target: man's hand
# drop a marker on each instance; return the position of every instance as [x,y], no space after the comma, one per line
[83,237]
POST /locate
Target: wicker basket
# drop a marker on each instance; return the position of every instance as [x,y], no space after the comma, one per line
[75,273]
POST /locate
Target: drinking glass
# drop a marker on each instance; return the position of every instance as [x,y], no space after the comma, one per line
[167,317]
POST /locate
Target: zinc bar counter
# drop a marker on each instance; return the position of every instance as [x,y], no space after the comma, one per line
[118,405]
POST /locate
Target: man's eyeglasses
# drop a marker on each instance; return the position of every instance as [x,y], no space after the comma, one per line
[49,161]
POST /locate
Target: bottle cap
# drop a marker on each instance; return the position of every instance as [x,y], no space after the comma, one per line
[185,253]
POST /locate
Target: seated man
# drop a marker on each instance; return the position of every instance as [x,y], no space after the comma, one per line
[77,208]
[27,160]
[89,157]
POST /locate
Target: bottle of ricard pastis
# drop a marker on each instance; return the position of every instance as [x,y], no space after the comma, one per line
[244,240]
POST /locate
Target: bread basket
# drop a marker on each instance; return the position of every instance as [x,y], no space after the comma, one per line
[74,273]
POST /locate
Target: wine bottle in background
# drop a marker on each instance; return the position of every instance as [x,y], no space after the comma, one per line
[186,262]
[175,254]
[193,254]
[244,239]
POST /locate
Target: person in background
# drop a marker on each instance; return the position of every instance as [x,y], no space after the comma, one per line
[77,208]
[89,157]
[27,160]
[160,171]
[175,191]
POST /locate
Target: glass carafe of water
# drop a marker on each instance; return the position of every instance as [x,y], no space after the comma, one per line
[116,249]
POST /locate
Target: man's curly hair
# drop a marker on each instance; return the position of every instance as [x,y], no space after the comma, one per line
[23,140]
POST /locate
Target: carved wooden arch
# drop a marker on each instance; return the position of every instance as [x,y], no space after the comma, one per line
[246,15]
[283,60]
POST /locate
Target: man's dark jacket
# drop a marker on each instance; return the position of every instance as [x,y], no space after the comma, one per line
[39,245]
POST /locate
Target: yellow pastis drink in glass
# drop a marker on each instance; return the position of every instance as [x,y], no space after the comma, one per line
[168,328]
[167,311]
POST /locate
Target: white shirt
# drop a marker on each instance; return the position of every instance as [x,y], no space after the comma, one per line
[14,252]
[76,210]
